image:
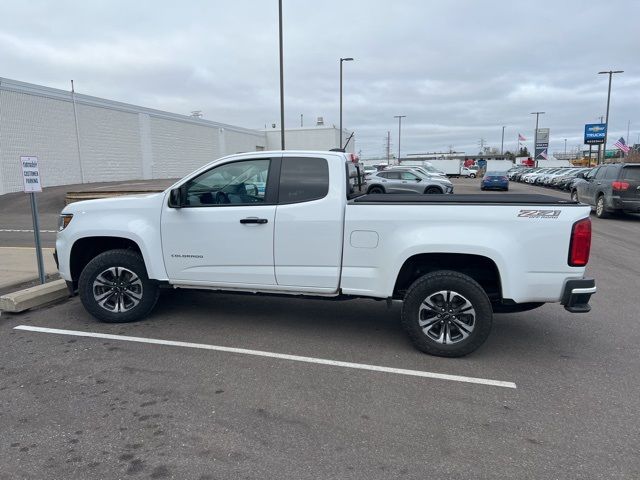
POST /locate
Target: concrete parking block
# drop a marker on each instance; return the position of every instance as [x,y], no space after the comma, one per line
[34,296]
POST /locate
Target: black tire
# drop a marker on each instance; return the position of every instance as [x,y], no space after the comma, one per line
[432,190]
[482,189]
[473,175]
[574,195]
[601,211]
[376,190]
[506,189]
[122,289]
[465,288]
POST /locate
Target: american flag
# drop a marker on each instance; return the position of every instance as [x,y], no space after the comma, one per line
[521,138]
[621,145]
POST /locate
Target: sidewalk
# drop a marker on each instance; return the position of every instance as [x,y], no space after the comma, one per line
[19,265]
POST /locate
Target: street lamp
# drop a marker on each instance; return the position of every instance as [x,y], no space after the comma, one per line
[502,142]
[348,59]
[606,132]
[535,135]
[399,117]
[565,147]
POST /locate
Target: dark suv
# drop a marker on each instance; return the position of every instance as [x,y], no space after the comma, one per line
[610,188]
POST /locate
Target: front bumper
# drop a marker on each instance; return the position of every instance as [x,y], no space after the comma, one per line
[577,293]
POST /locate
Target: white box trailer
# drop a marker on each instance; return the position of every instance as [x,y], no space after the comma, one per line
[451,167]
[499,165]
[554,162]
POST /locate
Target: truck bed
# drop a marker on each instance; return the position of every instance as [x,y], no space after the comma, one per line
[475,198]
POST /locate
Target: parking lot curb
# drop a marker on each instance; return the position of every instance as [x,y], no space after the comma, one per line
[33,297]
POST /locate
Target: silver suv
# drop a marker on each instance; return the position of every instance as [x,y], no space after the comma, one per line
[406,180]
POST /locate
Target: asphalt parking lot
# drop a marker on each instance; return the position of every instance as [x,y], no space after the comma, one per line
[221,399]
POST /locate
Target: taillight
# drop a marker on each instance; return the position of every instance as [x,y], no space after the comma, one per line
[580,245]
[620,185]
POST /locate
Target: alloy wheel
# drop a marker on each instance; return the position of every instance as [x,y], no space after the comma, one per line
[446,317]
[117,289]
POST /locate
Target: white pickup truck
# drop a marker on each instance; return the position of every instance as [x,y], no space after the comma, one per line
[296,223]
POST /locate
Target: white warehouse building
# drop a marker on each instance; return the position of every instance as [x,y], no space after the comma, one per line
[82,139]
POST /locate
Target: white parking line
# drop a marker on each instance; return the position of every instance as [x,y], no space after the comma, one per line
[282,356]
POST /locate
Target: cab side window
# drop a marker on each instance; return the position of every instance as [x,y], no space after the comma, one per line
[237,183]
[303,179]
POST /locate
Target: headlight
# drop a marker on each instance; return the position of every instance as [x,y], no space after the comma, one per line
[64,220]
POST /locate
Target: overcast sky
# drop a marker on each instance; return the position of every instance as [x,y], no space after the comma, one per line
[459,70]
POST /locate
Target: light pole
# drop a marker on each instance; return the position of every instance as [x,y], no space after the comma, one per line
[399,117]
[502,142]
[565,147]
[281,75]
[348,59]
[535,136]
[606,132]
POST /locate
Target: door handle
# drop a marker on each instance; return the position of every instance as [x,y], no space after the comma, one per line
[254,220]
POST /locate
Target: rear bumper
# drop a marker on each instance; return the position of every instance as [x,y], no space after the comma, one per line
[622,204]
[577,293]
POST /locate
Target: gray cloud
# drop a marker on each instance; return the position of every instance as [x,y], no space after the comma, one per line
[458,69]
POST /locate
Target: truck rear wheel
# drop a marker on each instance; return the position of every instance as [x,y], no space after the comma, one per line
[447,314]
[114,287]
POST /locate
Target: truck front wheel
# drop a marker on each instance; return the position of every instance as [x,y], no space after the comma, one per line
[114,287]
[447,314]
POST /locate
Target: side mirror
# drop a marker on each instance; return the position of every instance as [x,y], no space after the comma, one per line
[418,180]
[580,175]
[176,199]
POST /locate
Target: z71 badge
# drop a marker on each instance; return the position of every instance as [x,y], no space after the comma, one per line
[539,213]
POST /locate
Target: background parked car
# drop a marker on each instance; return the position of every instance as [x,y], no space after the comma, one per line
[406,180]
[495,181]
[610,188]
[563,181]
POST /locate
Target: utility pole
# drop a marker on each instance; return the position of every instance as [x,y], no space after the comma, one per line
[535,137]
[348,59]
[388,147]
[565,148]
[75,118]
[601,117]
[301,119]
[606,132]
[399,117]
[502,142]
[281,75]
[482,143]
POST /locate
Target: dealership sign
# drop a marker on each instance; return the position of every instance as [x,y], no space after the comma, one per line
[542,143]
[594,133]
